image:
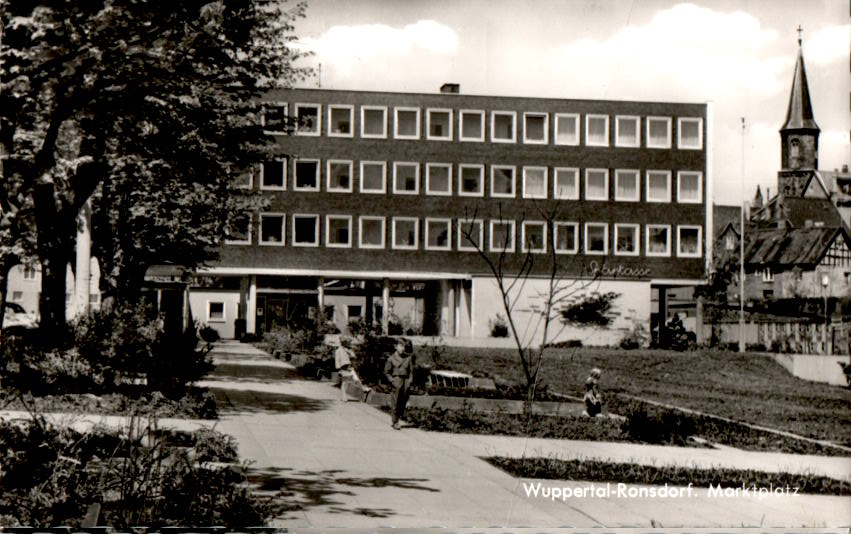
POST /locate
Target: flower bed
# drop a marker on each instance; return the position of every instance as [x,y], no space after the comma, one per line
[601,471]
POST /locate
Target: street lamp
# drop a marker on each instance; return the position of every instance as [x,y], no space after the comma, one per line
[825,281]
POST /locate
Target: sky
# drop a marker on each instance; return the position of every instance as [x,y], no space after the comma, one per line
[738,54]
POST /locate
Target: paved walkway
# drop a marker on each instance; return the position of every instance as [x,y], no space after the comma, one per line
[340,464]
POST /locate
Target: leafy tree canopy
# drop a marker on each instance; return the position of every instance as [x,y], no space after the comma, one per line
[94,93]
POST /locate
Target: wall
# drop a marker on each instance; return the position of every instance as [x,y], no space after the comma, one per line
[633,304]
[815,367]
[198,299]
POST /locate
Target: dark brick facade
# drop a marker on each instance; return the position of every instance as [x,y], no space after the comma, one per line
[488,153]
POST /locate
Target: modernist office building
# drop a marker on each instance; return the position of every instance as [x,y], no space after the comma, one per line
[378,201]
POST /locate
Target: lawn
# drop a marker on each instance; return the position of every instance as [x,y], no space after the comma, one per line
[745,387]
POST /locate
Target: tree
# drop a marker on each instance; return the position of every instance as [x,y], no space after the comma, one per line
[92,90]
[557,304]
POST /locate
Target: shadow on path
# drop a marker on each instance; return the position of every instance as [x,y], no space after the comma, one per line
[253,373]
[298,490]
[233,401]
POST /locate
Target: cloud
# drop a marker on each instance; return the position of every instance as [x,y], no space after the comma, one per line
[686,50]
[828,45]
[344,44]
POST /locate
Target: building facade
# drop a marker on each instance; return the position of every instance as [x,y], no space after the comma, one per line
[378,203]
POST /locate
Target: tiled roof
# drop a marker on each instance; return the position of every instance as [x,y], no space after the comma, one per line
[797,246]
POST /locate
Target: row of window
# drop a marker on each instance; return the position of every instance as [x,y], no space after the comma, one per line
[472,125]
[405,234]
[470,179]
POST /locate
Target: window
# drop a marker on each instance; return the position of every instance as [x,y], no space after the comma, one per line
[536,128]
[471,180]
[406,178]
[534,182]
[690,133]
[688,241]
[626,131]
[407,123]
[472,125]
[306,175]
[730,241]
[272,229]
[437,234]
[658,240]
[273,175]
[309,119]
[596,184]
[689,189]
[438,179]
[371,232]
[502,236]
[534,236]
[658,132]
[94,298]
[30,273]
[470,234]
[338,231]
[597,130]
[339,176]
[215,311]
[239,230]
[373,122]
[502,181]
[273,118]
[626,185]
[305,230]
[340,120]
[17,295]
[566,183]
[767,275]
[626,240]
[439,124]
[566,237]
[373,177]
[596,238]
[567,129]
[658,186]
[405,233]
[503,127]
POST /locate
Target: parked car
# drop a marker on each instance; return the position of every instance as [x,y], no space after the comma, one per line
[18,318]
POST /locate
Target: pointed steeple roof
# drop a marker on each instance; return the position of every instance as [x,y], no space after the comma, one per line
[800,112]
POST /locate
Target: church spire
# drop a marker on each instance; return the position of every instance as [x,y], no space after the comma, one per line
[799,134]
[800,112]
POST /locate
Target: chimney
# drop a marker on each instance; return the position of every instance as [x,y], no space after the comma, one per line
[450,88]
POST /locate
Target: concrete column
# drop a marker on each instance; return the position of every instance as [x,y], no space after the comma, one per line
[82,270]
[251,311]
[320,293]
[385,304]
[452,309]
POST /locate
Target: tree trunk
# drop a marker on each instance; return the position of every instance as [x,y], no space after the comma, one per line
[56,229]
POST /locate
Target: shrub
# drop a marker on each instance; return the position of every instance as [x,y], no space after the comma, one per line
[51,475]
[635,339]
[498,326]
[31,368]
[209,334]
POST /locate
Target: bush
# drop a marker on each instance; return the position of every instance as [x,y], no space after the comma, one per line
[31,368]
[209,334]
[115,350]
[52,475]
[635,339]
[498,326]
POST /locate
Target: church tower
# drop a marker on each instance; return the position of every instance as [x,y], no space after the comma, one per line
[798,136]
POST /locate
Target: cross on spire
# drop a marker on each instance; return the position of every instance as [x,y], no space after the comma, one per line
[800,31]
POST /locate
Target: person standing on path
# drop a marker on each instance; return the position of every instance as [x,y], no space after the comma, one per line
[399,370]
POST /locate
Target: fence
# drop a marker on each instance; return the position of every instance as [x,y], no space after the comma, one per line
[790,337]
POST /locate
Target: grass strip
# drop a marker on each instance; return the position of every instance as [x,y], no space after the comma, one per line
[602,471]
